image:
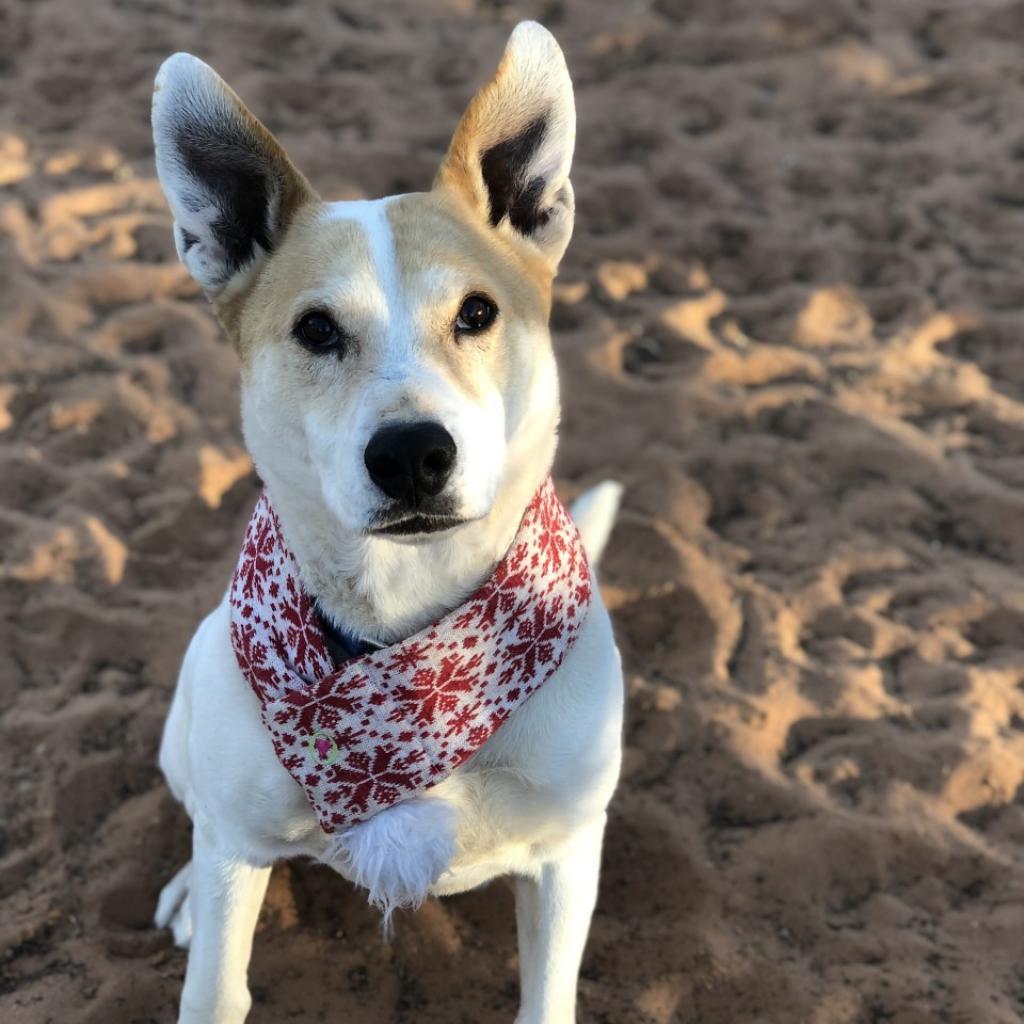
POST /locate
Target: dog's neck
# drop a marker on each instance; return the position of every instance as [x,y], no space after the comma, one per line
[383,590]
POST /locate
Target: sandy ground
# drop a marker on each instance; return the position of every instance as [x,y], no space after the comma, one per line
[789,322]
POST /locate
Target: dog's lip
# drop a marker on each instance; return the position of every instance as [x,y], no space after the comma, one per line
[418,524]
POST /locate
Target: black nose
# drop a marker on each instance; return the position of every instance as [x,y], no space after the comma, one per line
[410,461]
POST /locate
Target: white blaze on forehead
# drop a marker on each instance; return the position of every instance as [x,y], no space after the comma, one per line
[371,216]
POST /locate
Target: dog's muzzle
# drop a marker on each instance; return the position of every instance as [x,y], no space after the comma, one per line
[411,463]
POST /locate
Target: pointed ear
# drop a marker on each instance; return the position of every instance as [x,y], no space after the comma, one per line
[511,153]
[228,182]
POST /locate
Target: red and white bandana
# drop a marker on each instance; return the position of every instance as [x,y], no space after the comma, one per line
[389,724]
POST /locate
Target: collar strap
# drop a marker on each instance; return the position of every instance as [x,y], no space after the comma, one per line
[341,644]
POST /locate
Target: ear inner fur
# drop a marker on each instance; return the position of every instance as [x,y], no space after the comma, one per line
[257,188]
[228,167]
[504,168]
[214,155]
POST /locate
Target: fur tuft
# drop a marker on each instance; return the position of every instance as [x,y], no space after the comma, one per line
[399,854]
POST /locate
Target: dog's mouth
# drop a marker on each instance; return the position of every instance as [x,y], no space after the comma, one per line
[417,524]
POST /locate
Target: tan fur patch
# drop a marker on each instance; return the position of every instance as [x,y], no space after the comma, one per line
[316,255]
[437,238]
[443,253]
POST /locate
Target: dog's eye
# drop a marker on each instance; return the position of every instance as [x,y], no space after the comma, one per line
[477,314]
[317,332]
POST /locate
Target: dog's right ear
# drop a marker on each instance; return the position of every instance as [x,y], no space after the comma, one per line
[229,184]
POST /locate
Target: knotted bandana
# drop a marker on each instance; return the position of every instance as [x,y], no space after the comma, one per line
[393,722]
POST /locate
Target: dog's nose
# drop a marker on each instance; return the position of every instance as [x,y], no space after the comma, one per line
[410,461]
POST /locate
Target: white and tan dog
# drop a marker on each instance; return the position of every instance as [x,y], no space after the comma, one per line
[400,401]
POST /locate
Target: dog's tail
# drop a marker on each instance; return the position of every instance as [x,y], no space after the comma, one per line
[594,513]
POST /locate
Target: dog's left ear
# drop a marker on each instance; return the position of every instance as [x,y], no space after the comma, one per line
[511,153]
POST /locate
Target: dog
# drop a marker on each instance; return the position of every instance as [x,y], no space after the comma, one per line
[400,402]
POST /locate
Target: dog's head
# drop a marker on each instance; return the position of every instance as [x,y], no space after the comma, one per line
[396,361]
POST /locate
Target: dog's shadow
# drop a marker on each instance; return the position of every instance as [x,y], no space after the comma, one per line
[320,945]
[320,950]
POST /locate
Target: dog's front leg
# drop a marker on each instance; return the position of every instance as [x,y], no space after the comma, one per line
[226,894]
[553,911]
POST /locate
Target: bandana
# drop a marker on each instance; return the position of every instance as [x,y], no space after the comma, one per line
[388,724]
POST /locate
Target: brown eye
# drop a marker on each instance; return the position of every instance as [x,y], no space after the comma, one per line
[318,332]
[477,314]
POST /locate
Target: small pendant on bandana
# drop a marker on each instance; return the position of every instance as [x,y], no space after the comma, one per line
[322,748]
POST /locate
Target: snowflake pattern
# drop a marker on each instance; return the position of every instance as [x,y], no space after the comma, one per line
[401,719]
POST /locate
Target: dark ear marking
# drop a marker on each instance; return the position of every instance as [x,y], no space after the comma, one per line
[510,192]
[228,164]
[230,185]
[510,156]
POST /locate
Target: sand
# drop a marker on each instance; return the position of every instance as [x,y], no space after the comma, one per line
[789,322]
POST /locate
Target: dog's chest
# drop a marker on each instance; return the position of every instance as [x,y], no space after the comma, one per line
[552,764]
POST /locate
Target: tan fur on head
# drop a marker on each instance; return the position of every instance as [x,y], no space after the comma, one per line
[507,167]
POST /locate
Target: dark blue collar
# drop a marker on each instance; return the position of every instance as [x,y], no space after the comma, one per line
[341,644]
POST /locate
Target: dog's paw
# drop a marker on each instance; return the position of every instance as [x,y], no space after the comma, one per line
[398,854]
[174,909]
